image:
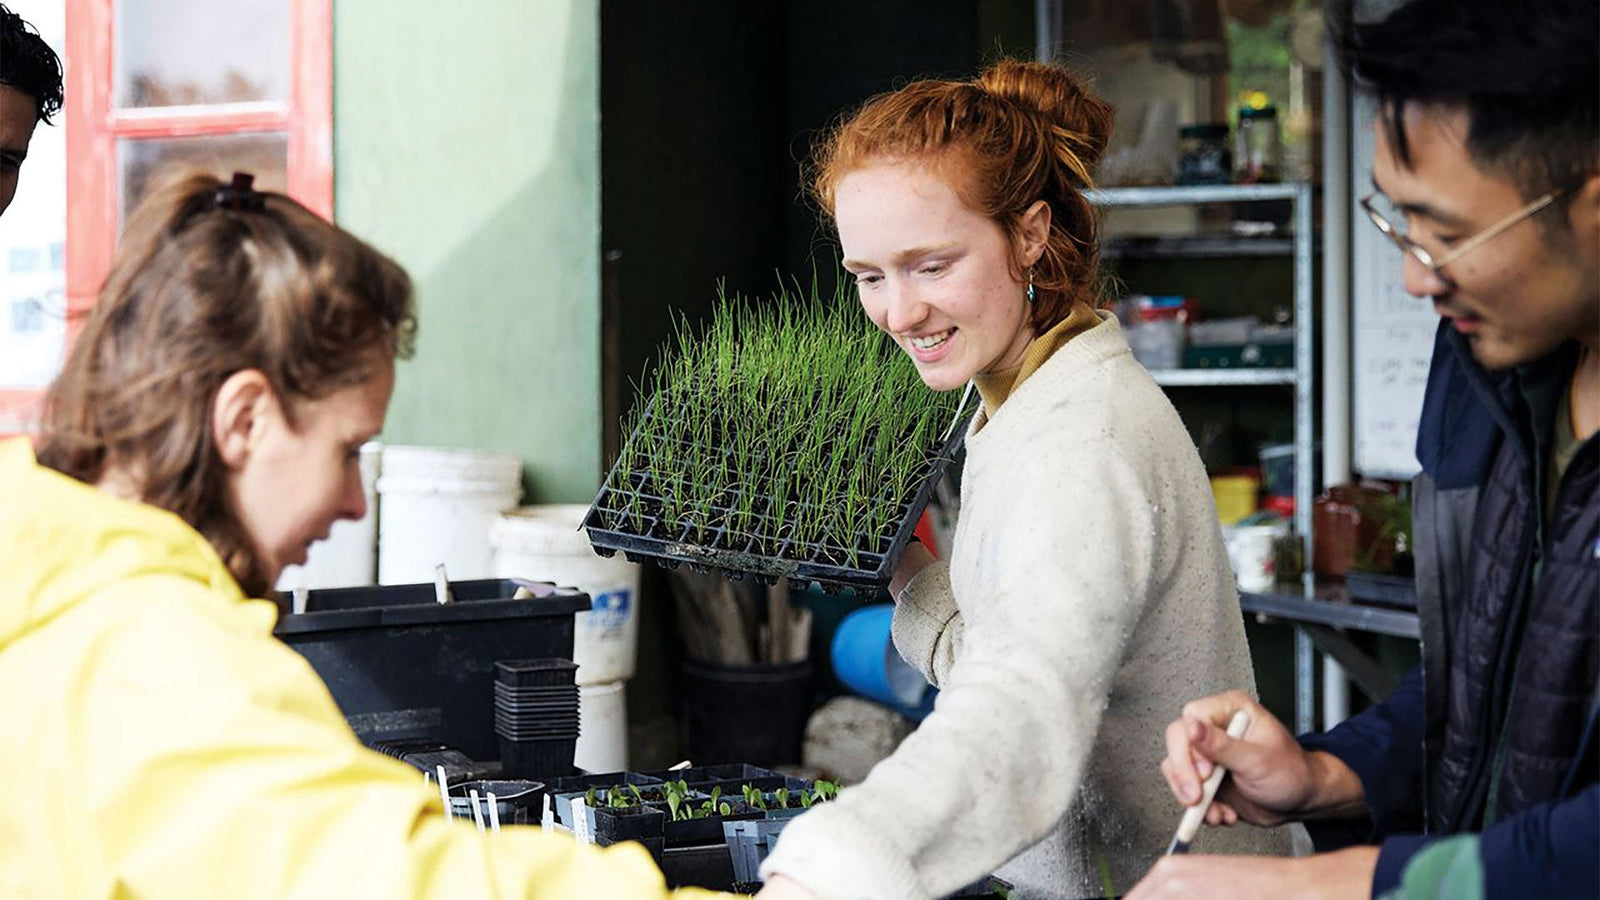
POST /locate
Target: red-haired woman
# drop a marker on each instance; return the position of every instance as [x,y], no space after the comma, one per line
[1088,594]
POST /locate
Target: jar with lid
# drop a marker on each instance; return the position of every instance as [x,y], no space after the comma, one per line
[1203,154]
[1257,158]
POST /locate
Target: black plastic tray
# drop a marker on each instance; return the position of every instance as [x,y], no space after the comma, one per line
[875,555]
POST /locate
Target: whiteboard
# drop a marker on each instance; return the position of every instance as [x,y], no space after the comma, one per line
[1391,332]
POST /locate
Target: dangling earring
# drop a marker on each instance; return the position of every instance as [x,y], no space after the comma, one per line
[1030,286]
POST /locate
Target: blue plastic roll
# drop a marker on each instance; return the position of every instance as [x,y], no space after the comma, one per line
[864,658]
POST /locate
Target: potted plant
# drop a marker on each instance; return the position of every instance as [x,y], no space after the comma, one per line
[787,440]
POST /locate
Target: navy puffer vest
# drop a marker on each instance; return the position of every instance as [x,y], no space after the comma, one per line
[1525,641]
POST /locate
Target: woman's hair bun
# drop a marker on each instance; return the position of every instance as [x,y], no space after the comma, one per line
[1060,97]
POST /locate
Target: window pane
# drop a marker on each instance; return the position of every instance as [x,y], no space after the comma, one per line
[264,155]
[183,52]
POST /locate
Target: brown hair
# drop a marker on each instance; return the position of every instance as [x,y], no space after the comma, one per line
[200,290]
[1018,133]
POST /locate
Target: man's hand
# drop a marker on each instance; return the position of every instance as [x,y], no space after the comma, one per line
[1271,779]
[913,560]
[781,888]
[1345,875]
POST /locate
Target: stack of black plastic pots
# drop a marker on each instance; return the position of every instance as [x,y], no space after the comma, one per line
[536,716]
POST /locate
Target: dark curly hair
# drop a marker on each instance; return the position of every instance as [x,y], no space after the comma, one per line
[28,64]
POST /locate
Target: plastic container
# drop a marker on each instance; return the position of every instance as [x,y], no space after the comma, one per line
[401,665]
[1203,154]
[753,714]
[1258,156]
[517,801]
[1235,495]
[767,556]
[1157,344]
[865,660]
[1277,478]
[348,557]
[547,543]
[1250,553]
[603,727]
[437,505]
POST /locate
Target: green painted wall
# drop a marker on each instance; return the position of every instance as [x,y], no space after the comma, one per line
[466,145]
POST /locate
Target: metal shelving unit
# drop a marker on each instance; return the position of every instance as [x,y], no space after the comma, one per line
[1222,377]
[1300,378]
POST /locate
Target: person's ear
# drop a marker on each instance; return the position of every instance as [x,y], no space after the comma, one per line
[1033,231]
[1585,213]
[239,415]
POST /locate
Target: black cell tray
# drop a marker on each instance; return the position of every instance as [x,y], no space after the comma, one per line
[401,665]
[871,575]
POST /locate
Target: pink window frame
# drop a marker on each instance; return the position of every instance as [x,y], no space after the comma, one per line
[94,125]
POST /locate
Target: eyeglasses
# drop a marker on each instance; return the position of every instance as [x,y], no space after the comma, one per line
[1436,264]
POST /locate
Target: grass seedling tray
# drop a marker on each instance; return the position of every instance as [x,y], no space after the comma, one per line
[789,440]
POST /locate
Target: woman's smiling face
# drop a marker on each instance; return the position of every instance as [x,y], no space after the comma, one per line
[934,274]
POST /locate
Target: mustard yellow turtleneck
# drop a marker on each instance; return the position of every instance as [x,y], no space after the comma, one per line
[995,387]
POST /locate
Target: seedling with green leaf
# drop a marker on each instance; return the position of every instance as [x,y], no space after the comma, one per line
[784,439]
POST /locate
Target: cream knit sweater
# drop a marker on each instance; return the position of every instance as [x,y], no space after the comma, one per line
[1087,598]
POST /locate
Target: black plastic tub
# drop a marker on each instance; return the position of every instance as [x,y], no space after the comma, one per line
[752,713]
[401,665]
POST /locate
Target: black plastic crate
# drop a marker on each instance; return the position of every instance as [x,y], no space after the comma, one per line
[401,665]
[632,514]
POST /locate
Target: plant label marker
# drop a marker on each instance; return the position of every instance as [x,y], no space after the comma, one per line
[580,822]
[547,818]
[494,814]
[441,585]
[444,791]
[477,810]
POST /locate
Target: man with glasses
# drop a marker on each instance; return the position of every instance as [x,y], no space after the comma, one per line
[1480,775]
[30,92]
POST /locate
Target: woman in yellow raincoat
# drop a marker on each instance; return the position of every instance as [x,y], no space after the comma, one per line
[157,741]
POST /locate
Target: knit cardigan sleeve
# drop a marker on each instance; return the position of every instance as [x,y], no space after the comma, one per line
[927,626]
[1061,552]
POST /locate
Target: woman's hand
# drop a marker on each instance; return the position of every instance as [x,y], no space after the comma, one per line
[1271,779]
[914,560]
[781,888]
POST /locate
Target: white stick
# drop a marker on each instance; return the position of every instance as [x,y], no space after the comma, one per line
[580,822]
[441,585]
[547,820]
[444,791]
[494,814]
[477,810]
[1194,815]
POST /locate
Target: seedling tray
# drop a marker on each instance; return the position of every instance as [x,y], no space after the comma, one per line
[634,513]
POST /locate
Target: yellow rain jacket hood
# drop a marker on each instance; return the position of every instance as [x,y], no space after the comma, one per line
[158,742]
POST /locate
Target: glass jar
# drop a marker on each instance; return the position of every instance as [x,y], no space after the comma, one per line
[1203,154]
[1257,157]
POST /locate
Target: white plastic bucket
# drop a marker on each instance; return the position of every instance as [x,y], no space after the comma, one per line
[436,505]
[544,543]
[348,557]
[602,728]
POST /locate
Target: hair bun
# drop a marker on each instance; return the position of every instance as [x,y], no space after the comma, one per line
[1062,99]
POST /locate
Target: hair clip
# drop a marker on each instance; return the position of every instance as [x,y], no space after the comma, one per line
[240,195]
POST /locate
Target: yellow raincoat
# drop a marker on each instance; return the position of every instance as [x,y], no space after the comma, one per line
[156,741]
